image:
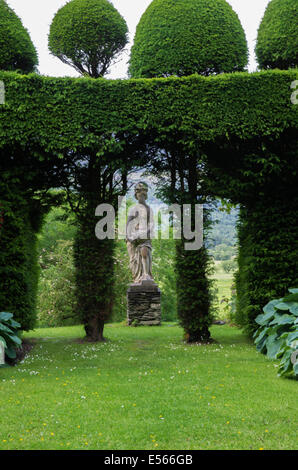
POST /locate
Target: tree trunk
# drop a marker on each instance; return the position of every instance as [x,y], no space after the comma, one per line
[94,329]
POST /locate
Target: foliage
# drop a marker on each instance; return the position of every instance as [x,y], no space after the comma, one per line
[223,252]
[223,236]
[182,37]
[56,299]
[267,254]
[215,110]
[122,278]
[88,35]
[229,265]
[17,51]
[277,43]
[9,334]
[164,275]
[59,225]
[192,277]
[277,336]
[18,254]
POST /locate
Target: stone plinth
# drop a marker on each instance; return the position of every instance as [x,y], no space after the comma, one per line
[143,304]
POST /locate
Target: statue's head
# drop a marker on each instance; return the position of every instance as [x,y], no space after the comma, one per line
[141,191]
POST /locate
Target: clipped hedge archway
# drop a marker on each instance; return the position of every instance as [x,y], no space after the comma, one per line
[245,122]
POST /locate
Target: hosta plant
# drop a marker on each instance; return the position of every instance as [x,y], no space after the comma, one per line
[277,336]
[9,334]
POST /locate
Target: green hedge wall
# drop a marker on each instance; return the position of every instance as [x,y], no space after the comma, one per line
[63,113]
[268,256]
[237,118]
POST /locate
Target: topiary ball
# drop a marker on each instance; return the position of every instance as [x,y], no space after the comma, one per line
[88,35]
[17,51]
[182,37]
[277,43]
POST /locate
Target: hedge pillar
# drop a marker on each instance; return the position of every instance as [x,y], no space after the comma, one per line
[18,255]
[268,255]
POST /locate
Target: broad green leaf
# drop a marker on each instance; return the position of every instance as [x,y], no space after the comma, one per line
[283,320]
[5,328]
[282,306]
[15,339]
[11,353]
[294,308]
[261,335]
[261,346]
[293,290]
[264,319]
[14,323]
[273,346]
[292,337]
[291,298]
[4,316]
[269,308]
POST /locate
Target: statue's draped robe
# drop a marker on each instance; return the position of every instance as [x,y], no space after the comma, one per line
[140,225]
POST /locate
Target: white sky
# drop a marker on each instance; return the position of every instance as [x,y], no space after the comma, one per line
[37,16]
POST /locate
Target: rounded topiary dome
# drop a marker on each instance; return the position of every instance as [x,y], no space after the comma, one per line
[17,51]
[88,35]
[182,37]
[277,43]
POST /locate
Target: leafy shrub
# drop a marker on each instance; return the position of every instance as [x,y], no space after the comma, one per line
[229,265]
[277,43]
[9,334]
[182,37]
[277,336]
[122,279]
[56,298]
[88,35]
[17,51]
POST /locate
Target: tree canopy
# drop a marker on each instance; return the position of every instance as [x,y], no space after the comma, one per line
[88,35]
[277,43]
[182,37]
[17,51]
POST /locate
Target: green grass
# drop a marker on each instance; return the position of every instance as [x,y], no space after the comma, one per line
[145,389]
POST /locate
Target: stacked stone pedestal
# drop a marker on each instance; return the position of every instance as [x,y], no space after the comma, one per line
[143,304]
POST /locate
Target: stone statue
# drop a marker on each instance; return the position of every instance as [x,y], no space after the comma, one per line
[139,231]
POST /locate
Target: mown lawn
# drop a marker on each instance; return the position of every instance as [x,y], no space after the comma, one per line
[145,389]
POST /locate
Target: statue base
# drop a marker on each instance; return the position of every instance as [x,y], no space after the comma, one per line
[143,304]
